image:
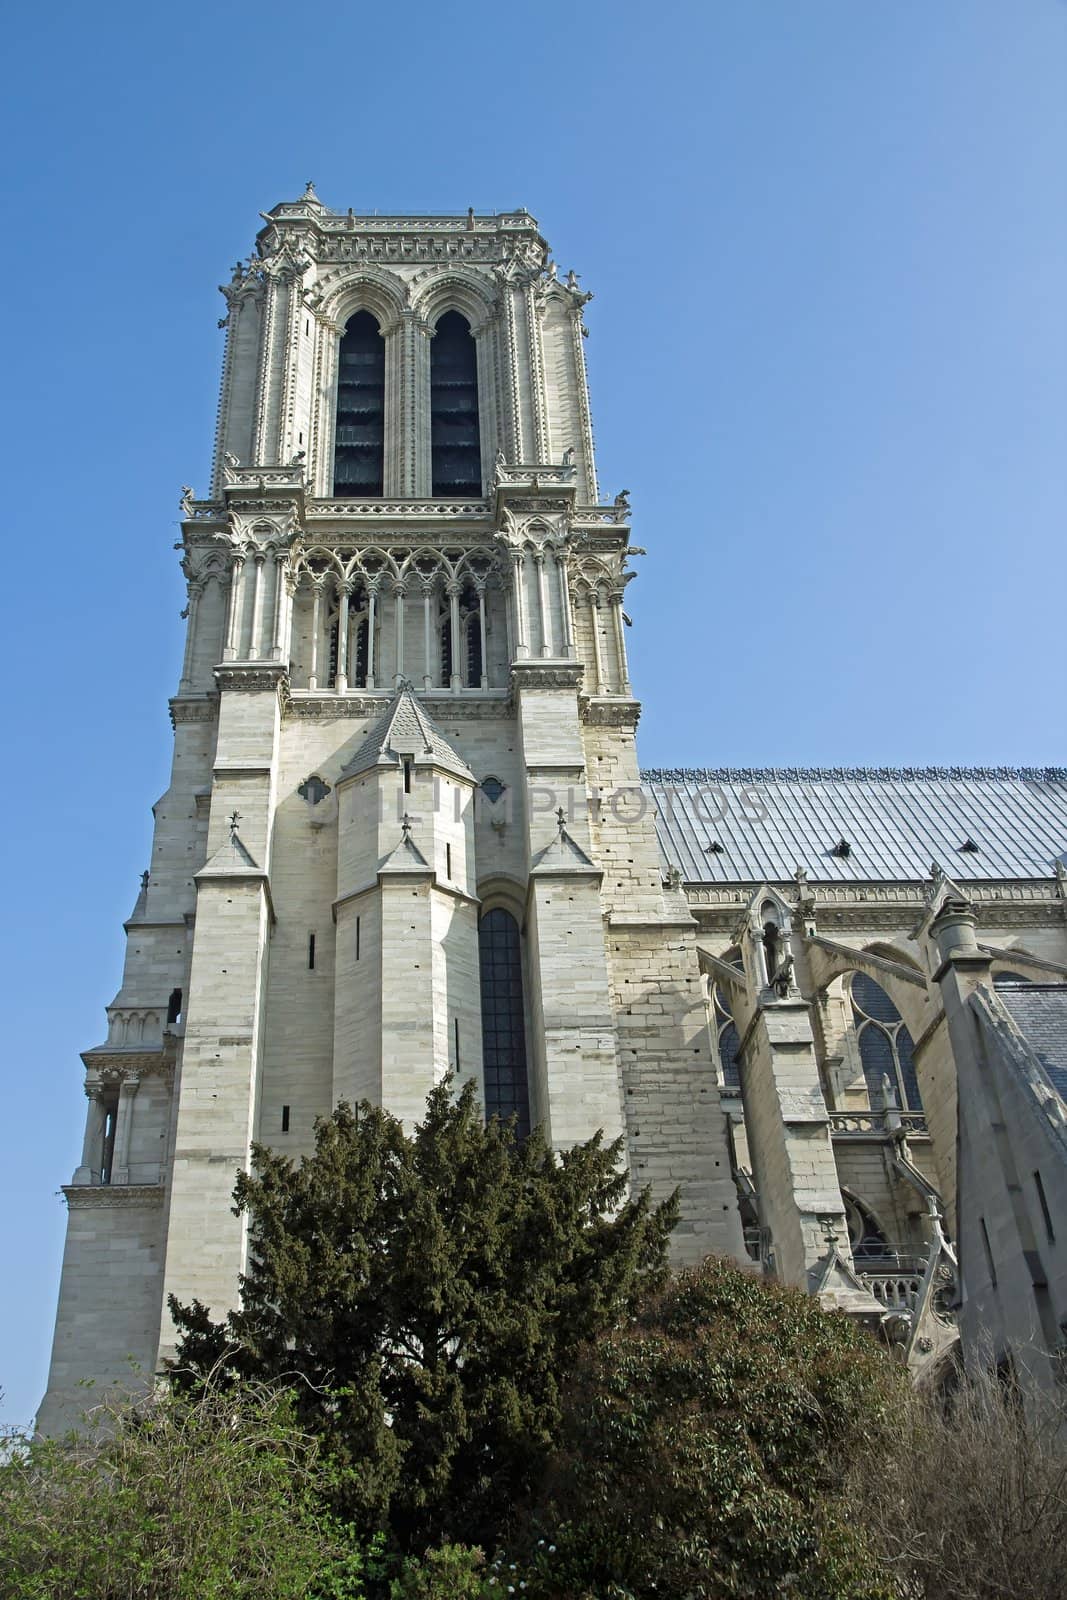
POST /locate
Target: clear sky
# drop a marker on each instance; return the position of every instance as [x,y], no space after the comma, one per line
[828,245]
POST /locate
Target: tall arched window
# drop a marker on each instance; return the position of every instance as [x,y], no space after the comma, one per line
[503,1020]
[728,1040]
[359,439]
[885,1047]
[455,448]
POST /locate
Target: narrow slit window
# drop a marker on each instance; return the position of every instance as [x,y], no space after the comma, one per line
[359,436]
[285,1119]
[357,938]
[174,1006]
[455,443]
[311,952]
[455,1027]
[990,1263]
[1045,1212]
[448,866]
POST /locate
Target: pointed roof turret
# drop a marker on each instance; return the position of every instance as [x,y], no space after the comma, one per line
[563,855]
[405,730]
[406,857]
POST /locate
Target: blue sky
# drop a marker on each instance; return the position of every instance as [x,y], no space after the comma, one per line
[828,245]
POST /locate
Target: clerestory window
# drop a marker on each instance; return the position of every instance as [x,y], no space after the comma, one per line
[885,1047]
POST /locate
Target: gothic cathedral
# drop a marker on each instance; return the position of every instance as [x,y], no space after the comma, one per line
[406,833]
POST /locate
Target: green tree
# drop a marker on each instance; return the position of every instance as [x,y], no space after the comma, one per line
[215,1494]
[425,1296]
[705,1446]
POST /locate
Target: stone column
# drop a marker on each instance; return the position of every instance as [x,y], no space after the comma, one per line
[341,681]
[254,649]
[398,594]
[521,644]
[594,626]
[620,643]
[277,648]
[427,668]
[372,598]
[456,679]
[234,608]
[394,474]
[93,1142]
[128,1088]
[196,589]
[565,604]
[484,684]
[542,601]
[417,409]
[316,629]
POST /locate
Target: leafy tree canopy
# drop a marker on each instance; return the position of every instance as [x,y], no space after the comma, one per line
[425,1296]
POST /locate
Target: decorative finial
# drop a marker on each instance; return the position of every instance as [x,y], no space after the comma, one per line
[405,827]
[829,1230]
[937,873]
[235,818]
[561,821]
[144,879]
[309,190]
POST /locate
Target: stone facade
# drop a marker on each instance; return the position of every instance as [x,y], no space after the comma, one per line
[401,713]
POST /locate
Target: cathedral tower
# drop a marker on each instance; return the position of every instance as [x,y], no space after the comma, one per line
[405,830]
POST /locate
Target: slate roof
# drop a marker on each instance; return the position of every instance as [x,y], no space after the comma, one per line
[405,729]
[1040,1012]
[896,823]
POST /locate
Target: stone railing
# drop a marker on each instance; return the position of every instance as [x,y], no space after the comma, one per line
[397,508]
[876,1124]
[897,1291]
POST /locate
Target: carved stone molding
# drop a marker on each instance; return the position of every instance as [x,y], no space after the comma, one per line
[103,1196]
[543,675]
[200,708]
[333,707]
[250,677]
[610,713]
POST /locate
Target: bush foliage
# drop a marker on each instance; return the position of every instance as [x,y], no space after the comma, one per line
[706,1444]
[213,1495]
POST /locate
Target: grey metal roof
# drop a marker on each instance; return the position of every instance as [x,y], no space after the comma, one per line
[896,823]
[1040,1011]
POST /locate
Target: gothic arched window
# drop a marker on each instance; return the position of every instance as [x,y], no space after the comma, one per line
[359,437]
[455,447]
[729,1042]
[885,1047]
[503,1020]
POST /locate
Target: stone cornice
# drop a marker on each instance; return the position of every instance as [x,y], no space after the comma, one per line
[544,675]
[199,708]
[99,1196]
[249,677]
[118,1061]
[615,712]
[465,705]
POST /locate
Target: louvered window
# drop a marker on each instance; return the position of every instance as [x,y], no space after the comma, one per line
[359,441]
[455,449]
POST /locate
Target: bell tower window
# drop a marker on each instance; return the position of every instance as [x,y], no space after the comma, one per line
[359,439]
[455,448]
